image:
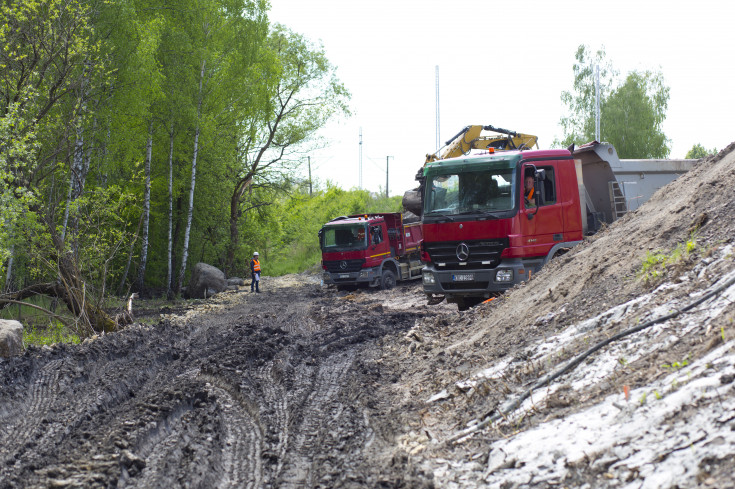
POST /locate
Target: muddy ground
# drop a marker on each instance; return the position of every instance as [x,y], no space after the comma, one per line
[245,390]
[302,386]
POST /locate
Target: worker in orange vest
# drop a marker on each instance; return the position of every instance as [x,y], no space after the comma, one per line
[255,273]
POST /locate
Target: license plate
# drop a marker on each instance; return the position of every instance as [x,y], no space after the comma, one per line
[344,275]
[463,277]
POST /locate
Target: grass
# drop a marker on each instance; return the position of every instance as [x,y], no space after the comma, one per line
[54,333]
[298,259]
[39,328]
[655,265]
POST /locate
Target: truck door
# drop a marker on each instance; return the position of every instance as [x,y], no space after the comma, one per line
[379,247]
[542,226]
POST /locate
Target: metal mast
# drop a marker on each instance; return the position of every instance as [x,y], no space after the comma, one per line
[359,168]
[438,144]
[597,103]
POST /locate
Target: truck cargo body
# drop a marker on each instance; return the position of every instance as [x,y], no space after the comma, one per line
[370,249]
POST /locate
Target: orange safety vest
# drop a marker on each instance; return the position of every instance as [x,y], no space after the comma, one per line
[256,265]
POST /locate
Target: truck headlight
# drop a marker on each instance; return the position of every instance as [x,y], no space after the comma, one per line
[504,276]
[365,274]
[429,278]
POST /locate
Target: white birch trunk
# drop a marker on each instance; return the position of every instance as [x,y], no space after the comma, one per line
[187,232]
[170,209]
[79,166]
[146,207]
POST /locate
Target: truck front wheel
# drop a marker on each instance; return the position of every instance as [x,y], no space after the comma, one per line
[387,280]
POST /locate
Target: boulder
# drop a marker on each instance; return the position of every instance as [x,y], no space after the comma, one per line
[206,281]
[11,338]
[235,281]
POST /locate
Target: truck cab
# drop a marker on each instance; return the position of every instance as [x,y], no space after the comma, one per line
[483,233]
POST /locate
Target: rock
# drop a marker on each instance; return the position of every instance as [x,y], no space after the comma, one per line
[233,288]
[235,281]
[11,338]
[206,281]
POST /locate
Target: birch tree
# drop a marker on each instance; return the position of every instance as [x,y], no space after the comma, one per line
[223,32]
[303,96]
[632,112]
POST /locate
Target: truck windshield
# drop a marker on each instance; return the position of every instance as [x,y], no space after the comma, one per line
[344,237]
[469,192]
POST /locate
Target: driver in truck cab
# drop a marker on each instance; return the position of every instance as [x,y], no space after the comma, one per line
[528,191]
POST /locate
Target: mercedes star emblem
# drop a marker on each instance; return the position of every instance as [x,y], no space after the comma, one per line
[463,251]
[343,265]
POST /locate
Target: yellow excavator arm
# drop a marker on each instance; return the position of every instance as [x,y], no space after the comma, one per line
[471,137]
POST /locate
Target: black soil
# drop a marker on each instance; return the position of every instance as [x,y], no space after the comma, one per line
[272,390]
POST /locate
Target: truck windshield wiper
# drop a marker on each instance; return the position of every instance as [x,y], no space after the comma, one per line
[481,212]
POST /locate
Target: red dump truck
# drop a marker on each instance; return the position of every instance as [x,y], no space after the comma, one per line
[485,231]
[370,249]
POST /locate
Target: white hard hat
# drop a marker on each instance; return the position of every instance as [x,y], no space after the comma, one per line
[256,254]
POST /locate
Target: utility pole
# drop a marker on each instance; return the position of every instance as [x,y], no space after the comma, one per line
[309,160]
[597,103]
[438,139]
[359,166]
[386,175]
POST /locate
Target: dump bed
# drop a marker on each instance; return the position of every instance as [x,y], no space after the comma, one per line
[404,237]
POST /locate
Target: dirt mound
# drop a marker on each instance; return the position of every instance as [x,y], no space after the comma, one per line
[656,260]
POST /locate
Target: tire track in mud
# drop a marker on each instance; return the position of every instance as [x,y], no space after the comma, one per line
[263,393]
[317,397]
[43,390]
[243,436]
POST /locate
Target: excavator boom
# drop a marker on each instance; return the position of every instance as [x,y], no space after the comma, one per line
[471,137]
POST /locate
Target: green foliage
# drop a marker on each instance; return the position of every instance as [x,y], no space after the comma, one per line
[578,124]
[632,112]
[655,264]
[698,151]
[116,72]
[290,244]
[676,365]
[54,333]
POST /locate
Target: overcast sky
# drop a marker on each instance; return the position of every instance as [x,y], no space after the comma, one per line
[505,64]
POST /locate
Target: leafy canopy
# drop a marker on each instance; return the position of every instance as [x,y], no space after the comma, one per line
[632,111]
[699,151]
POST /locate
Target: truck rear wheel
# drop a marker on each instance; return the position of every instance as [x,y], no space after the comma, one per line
[387,280]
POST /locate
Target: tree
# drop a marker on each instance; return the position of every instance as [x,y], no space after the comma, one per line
[578,124]
[304,94]
[225,38]
[698,151]
[631,112]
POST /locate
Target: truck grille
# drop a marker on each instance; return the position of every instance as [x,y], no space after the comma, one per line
[482,253]
[336,266]
[464,285]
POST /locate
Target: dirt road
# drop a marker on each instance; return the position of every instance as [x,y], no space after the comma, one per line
[259,390]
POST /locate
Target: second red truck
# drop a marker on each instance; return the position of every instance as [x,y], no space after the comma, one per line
[370,249]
